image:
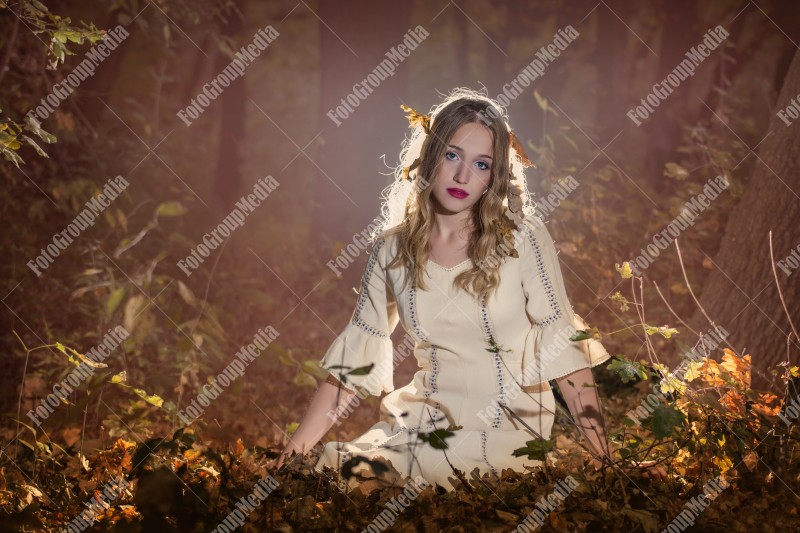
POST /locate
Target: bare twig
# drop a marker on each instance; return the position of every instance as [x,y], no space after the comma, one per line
[22,385]
[663,299]
[689,287]
[778,285]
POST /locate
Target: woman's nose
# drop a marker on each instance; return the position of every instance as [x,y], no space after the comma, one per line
[462,173]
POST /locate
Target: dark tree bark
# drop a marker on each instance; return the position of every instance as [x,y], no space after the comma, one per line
[678,36]
[228,174]
[348,179]
[614,66]
[740,292]
[101,83]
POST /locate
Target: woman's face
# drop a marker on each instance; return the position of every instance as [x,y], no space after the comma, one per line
[465,171]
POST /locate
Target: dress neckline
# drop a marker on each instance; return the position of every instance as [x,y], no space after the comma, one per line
[450,269]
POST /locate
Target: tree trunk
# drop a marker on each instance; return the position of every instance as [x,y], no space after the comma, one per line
[740,294]
[354,40]
[228,172]
[678,36]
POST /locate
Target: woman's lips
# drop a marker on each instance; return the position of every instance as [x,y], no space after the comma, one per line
[458,193]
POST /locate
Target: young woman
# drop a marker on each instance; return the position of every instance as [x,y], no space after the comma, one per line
[473,276]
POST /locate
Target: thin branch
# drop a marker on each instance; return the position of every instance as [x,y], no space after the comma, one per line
[778,285]
[663,299]
[688,286]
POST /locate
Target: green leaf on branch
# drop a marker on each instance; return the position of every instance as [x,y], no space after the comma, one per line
[664,420]
[627,370]
[362,370]
[535,449]
[436,438]
[580,335]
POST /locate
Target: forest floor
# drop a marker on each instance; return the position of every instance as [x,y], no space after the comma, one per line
[185,481]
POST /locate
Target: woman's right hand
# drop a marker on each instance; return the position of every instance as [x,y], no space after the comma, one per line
[277,463]
[316,422]
[285,454]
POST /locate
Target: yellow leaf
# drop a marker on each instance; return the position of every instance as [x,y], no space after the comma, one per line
[672,384]
[86,360]
[665,331]
[692,371]
[738,367]
[624,270]
[153,399]
[723,462]
[192,454]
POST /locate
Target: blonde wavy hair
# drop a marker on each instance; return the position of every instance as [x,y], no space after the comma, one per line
[407,209]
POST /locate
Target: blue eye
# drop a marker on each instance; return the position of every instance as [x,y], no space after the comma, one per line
[481,165]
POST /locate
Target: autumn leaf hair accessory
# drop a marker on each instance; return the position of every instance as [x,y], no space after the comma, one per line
[415,118]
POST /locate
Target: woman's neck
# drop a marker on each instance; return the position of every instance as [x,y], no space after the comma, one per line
[452,227]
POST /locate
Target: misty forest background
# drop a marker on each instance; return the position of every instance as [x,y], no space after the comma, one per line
[272,122]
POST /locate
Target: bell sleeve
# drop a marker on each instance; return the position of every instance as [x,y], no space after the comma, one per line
[549,353]
[366,340]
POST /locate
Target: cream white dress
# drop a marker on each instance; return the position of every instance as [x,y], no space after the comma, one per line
[474,357]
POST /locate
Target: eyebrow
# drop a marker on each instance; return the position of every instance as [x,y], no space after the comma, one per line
[461,150]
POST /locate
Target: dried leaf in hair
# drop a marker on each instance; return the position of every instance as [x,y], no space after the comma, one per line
[521,152]
[417,119]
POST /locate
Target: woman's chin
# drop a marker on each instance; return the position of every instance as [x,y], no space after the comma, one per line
[450,206]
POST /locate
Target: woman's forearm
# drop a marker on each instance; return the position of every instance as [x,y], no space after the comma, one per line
[322,412]
[584,405]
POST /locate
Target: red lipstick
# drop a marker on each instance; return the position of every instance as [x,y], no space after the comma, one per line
[458,193]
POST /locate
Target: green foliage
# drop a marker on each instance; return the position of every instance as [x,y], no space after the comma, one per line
[535,449]
[11,133]
[53,29]
[580,335]
[436,438]
[58,32]
[664,421]
[627,370]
